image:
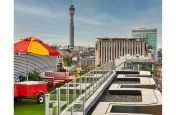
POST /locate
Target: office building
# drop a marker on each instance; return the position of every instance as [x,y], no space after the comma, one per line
[150,35]
[111,48]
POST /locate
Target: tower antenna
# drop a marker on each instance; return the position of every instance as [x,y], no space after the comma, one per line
[71,2]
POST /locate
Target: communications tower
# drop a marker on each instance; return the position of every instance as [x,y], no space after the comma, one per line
[71,12]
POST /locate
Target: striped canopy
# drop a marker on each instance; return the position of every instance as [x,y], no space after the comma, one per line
[35,46]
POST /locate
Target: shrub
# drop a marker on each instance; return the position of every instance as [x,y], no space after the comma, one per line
[34,76]
[98,65]
[77,75]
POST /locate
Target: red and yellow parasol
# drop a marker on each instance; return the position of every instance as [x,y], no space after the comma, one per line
[35,46]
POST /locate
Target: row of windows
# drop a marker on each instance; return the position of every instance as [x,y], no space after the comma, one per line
[113,50]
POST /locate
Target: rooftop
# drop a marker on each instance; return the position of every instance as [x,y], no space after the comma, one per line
[118,39]
[127,101]
[144,30]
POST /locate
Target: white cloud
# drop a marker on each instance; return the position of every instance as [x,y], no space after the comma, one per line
[33,10]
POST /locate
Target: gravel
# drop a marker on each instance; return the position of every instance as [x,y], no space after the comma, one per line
[125,82]
[121,98]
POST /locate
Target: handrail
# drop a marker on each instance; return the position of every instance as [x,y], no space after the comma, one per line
[89,89]
[119,64]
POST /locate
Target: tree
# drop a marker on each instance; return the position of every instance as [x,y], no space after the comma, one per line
[67,60]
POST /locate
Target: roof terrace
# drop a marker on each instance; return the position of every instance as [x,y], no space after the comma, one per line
[107,90]
[134,95]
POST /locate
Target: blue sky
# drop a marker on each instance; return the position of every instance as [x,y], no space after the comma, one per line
[49,19]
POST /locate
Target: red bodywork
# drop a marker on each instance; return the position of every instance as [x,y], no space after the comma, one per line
[29,89]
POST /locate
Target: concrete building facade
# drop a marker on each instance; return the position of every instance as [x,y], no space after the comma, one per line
[150,35]
[112,48]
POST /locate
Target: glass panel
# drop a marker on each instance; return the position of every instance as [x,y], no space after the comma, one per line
[71,92]
[63,97]
[67,112]
[78,109]
[53,103]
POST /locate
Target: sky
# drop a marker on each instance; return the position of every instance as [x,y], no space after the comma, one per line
[48,20]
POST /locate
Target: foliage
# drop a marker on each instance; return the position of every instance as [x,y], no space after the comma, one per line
[67,60]
[54,111]
[76,67]
[60,84]
[98,65]
[77,75]
[34,76]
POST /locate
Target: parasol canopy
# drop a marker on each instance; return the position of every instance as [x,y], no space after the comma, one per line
[35,46]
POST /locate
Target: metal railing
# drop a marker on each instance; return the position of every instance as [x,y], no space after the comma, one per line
[68,99]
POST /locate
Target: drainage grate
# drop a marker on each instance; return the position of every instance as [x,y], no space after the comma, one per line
[125,92]
[154,110]
[127,72]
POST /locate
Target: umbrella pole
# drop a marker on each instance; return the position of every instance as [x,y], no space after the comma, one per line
[27,73]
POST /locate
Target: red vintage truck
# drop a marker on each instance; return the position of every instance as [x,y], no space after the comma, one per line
[30,89]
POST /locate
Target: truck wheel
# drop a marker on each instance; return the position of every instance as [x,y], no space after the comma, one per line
[17,99]
[40,98]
